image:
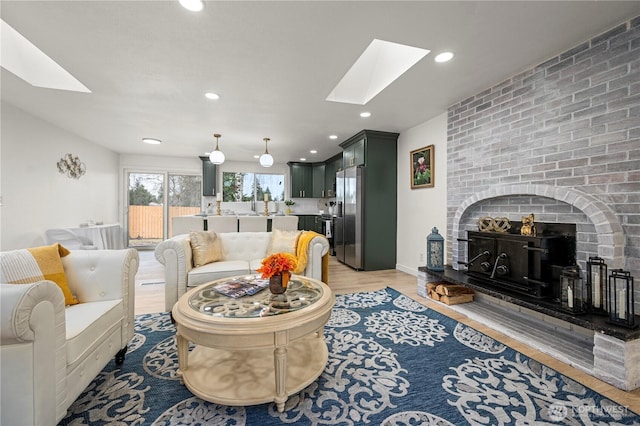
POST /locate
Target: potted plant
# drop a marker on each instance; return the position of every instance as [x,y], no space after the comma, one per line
[289,203]
[278,268]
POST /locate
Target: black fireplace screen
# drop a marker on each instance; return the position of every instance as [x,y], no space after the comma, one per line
[524,264]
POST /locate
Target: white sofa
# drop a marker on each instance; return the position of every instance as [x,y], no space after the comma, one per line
[243,252]
[49,353]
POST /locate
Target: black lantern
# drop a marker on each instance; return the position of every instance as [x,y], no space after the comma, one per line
[620,297]
[597,285]
[572,299]
[435,251]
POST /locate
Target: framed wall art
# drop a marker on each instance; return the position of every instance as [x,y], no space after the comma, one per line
[422,175]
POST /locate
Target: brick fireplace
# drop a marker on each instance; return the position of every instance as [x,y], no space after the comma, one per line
[560,140]
[598,230]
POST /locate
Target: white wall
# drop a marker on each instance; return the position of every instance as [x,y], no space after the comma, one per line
[419,210]
[35,196]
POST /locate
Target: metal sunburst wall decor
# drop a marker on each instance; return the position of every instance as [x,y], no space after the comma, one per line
[71,166]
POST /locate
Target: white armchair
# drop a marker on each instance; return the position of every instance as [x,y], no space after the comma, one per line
[49,353]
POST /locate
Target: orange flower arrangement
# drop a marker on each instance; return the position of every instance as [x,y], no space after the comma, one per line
[277,263]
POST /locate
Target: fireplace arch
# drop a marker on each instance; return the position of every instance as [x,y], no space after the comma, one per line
[608,230]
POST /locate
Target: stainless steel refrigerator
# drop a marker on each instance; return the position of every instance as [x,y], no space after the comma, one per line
[348,238]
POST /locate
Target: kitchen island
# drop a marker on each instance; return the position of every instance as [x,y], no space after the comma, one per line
[184,224]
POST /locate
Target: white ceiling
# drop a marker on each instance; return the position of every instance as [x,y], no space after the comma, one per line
[148,64]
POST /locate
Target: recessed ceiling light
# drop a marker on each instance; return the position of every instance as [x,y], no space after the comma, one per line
[365,114]
[212,96]
[193,5]
[152,141]
[303,159]
[444,57]
[313,151]
[380,64]
[333,137]
[256,156]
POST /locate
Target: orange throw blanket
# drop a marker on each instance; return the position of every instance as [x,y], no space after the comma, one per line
[303,249]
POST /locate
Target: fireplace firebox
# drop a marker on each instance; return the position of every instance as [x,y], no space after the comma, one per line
[528,265]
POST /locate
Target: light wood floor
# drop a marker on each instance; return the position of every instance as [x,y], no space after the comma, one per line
[149,298]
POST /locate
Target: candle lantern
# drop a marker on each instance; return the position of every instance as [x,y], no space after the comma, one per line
[621,300]
[435,251]
[597,285]
[572,299]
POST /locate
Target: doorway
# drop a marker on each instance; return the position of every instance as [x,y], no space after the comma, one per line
[154,199]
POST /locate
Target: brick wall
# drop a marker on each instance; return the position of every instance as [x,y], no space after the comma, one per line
[561,140]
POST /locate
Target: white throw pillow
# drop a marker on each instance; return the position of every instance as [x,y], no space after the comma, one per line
[283,242]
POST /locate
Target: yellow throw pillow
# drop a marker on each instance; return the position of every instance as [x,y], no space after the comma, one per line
[36,264]
[283,242]
[206,247]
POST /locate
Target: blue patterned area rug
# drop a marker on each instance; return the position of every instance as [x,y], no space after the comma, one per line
[392,361]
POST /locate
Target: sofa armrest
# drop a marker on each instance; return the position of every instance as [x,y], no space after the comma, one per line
[175,254]
[32,353]
[97,275]
[318,247]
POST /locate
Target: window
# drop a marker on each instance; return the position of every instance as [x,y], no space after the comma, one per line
[239,186]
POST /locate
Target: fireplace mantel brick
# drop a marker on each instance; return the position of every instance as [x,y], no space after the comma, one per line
[617,362]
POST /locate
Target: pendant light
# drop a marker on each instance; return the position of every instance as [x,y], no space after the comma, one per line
[266,159]
[216,156]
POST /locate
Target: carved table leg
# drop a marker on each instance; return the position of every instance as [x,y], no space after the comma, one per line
[183,354]
[280,361]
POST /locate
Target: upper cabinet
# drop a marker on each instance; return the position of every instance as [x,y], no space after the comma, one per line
[353,154]
[208,177]
[332,165]
[319,190]
[301,180]
[314,180]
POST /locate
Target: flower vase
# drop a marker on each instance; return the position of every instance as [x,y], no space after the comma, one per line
[278,283]
[288,210]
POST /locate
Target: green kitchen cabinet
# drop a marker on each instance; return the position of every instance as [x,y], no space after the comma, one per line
[319,190]
[208,177]
[332,166]
[310,222]
[301,180]
[376,152]
[354,154]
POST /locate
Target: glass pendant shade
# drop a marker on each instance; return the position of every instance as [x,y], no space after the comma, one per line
[216,156]
[266,159]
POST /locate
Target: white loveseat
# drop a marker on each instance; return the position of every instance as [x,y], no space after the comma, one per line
[243,252]
[49,353]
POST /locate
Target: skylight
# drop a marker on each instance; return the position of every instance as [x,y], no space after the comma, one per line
[379,65]
[25,60]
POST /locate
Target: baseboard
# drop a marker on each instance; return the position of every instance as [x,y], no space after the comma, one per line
[407,269]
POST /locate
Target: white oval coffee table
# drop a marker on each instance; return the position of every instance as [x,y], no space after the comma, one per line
[253,349]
